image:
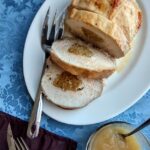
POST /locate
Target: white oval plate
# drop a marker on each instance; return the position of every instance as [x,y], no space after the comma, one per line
[122,89]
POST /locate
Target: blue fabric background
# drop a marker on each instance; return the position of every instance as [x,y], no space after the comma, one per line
[15,19]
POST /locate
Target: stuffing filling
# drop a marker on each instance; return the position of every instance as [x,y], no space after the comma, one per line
[67,82]
[81,50]
[90,35]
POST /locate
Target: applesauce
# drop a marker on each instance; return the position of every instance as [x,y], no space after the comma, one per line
[109,138]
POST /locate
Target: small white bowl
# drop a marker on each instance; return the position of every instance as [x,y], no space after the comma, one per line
[141,139]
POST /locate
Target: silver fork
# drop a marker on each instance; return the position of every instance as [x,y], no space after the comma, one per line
[21,144]
[46,42]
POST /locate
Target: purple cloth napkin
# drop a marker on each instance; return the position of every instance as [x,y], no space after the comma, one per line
[45,140]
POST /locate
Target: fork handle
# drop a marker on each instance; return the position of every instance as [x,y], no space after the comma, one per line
[35,119]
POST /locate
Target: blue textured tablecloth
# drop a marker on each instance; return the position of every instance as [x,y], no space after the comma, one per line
[15,19]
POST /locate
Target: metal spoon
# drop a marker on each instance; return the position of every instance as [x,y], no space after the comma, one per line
[143,125]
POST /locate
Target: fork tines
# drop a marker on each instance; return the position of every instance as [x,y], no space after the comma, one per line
[52,35]
[56,30]
[45,28]
[20,144]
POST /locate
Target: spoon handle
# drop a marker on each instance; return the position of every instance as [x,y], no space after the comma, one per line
[143,125]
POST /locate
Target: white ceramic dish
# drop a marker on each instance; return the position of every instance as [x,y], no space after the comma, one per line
[122,90]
